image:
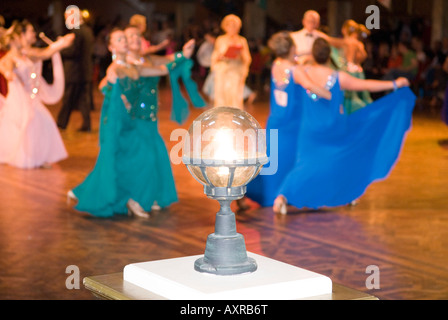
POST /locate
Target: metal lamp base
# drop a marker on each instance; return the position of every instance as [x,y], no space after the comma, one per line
[249,266]
[225,255]
[225,250]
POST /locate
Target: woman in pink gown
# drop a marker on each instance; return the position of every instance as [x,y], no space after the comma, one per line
[29,137]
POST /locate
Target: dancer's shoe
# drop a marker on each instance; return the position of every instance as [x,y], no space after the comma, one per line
[155,206]
[242,204]
[45,165]
[70,196]
[135,209]
[280,205]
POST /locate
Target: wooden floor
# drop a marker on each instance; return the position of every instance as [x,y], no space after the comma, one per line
[400,225]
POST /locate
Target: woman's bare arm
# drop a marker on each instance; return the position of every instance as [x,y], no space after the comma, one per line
[187,50]
[156,47]
[47,52]
[153,71]
[157,60]
[351,83]
[111,76]
[217,52]
[361,53]
[7,66]
[335,42]
[245,53]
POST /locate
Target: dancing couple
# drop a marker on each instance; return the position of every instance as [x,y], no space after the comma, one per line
[327,157]
[29,137]
[132,174]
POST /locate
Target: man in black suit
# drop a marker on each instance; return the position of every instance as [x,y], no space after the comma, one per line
[78,69]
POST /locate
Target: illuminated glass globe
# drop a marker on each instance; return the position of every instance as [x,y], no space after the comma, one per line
[224,150]
[225,147]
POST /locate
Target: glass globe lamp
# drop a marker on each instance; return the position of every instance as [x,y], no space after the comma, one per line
[224,150]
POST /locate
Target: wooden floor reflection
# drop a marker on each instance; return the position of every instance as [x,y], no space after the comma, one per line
[400,224]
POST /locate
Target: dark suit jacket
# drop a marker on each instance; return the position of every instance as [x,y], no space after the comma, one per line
[78,58]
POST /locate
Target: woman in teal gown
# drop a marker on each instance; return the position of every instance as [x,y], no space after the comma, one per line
[133,170]
[338,155]
[349,53]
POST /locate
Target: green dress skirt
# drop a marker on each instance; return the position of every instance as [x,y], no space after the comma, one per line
[133,161]
[353,100]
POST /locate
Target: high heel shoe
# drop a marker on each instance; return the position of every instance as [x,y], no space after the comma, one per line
[134,209]
[280,205]
[46,165]
[156,207]
[70,196]
[242,204]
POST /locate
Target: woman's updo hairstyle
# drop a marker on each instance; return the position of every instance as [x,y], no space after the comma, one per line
[280,43]
[109,35]
[16,29]
[321,51]
[350,26]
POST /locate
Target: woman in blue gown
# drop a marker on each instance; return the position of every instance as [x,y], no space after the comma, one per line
[338,154]
[284,119]
[133,170]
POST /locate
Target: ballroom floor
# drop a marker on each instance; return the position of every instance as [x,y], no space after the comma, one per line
[400,224]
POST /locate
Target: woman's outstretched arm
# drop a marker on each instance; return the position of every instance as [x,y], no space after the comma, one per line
[351,83]
[47,52]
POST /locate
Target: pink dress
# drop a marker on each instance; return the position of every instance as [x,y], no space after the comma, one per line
[29,137]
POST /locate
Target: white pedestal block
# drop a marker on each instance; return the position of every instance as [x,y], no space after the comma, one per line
[176,279]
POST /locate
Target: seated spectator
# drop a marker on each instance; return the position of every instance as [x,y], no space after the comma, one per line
[377,63]
[409,64]
[395,59]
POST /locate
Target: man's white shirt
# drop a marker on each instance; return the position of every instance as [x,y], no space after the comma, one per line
[303,40]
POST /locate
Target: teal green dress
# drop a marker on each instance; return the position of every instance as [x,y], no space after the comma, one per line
[353,100]
[133,162]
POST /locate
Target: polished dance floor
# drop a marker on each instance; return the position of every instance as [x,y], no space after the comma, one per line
[400,226]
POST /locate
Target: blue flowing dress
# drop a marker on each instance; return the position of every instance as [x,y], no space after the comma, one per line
[339,155]
[281,140]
